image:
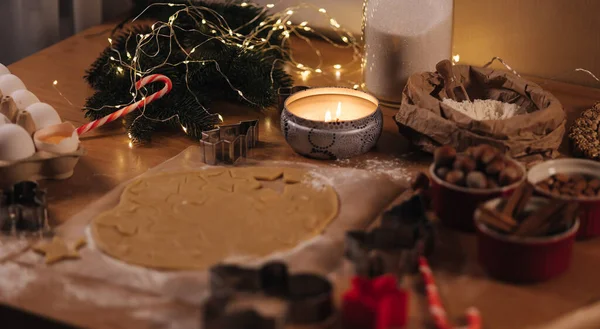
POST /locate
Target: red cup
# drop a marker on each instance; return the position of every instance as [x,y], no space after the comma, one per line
[524,259]
[589,207]
[455,205]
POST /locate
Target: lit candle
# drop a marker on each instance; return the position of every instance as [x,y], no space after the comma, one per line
[335,106]
[331,123]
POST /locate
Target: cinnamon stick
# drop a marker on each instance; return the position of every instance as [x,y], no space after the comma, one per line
[533,222]
[497,220]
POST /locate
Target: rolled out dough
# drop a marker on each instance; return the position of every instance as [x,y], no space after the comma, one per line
[192,220]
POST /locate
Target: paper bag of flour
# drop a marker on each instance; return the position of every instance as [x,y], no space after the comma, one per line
[428,123]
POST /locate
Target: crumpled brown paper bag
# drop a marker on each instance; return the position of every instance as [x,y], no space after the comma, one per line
[428,123]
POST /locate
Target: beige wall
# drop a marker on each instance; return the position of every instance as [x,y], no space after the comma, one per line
[545,38]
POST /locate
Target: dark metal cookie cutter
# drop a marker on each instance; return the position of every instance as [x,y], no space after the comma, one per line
[307,298]
[229,143]
[284,93]
[23,209]
[404,234]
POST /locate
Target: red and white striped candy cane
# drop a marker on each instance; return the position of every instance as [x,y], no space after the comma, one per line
[436,308]
[128,109]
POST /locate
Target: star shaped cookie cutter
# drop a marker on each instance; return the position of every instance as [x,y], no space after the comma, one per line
[298,299]
[229,143]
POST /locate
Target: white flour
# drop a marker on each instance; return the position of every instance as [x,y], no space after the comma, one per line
[488,109]
[395,169]
[14,280]
[107,297]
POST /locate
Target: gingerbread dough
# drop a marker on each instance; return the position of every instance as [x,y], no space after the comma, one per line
[192,220]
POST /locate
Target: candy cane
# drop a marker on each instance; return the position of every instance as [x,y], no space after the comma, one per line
[128,109]
[436,308]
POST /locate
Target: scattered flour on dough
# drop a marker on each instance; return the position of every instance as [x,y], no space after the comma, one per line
[395,169]
[14,280]
[12,246]
[487,109]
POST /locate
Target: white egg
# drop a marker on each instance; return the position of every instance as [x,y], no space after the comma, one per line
[9,83]
[61,138]
[15,143]
[23,98]
[4,70]
[43,115]
[3,119]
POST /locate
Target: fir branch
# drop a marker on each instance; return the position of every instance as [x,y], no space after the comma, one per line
[257,73]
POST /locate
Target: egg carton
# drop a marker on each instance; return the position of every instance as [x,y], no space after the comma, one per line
[42,164]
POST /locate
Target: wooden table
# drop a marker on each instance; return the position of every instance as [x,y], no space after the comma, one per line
[110,161]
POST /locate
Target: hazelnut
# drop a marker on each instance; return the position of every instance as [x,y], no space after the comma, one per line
[420,182]
[563,178]
[456,177]
[444,156]
[476,179]
[464,163]
[589,192]
[478,151]
[509,176]
[544,186]
[441,172]
[580,186]
[495,167]
[488,155]
[594,183]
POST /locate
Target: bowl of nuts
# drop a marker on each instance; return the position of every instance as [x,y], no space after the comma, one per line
[572,180]
[461,182]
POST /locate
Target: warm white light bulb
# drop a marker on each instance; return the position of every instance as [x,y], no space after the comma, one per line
[456,58]
[337,66]
[270,5]
[322,10]
[290,12]
[319,71]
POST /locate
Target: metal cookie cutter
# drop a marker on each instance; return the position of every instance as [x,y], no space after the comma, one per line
[237,293]
[229,143]
[394,247]
[24,209]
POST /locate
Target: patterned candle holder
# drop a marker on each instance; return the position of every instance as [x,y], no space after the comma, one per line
[337,136]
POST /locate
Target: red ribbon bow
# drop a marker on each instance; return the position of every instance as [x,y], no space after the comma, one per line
[375,304]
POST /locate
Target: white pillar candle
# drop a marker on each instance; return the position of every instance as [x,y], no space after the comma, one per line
[331,104]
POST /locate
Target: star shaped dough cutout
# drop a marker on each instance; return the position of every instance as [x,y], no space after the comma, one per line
[57,250]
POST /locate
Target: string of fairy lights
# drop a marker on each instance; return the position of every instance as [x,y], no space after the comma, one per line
[282,21]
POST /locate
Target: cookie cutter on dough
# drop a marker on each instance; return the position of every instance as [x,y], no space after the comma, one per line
[24,209]
[42,164]
[229,143]
[301,299]
[405,233]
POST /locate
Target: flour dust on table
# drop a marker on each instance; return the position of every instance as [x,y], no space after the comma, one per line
[192,220]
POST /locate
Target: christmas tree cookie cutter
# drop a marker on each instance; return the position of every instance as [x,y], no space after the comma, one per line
[405,234]
[299,299]
[24,209]
[229,143]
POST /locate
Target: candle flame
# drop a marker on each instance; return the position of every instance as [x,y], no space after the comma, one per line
[328,116]
[338,112]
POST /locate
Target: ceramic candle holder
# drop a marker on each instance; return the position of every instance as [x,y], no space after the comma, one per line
[331,123]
